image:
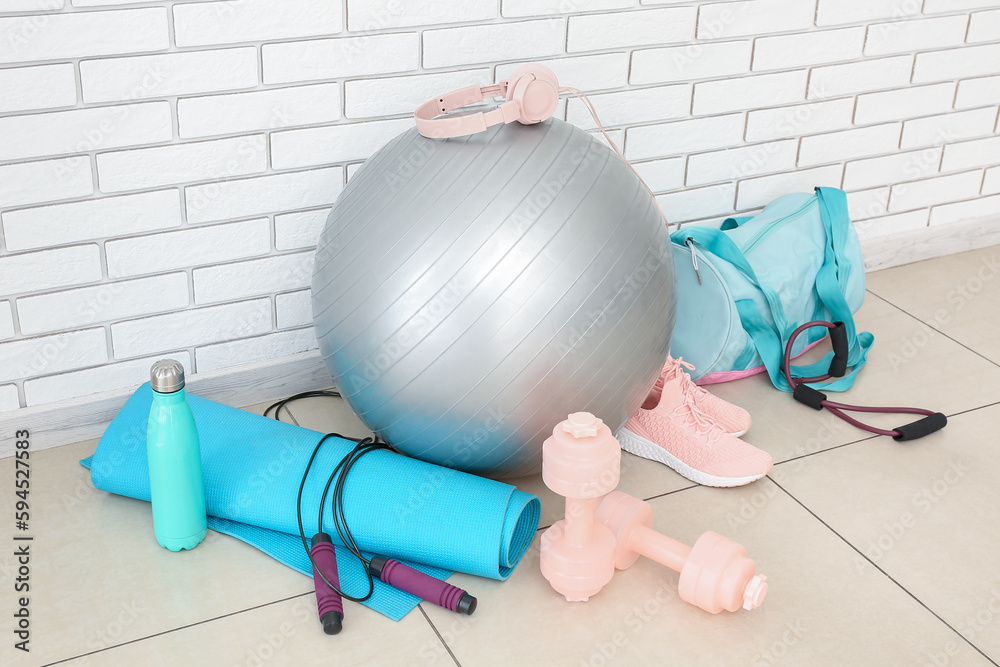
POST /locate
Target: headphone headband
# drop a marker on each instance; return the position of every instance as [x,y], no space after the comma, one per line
[531,93]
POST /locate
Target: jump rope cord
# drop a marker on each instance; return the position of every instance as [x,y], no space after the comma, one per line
[579,94]
[363,446]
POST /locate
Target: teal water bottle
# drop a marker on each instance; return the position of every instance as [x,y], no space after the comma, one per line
[175,484]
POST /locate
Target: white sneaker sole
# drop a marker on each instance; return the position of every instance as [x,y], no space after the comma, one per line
[634,444]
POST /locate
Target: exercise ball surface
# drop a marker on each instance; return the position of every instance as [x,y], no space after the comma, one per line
[470,293]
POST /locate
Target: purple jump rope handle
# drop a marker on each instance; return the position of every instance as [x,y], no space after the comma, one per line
[423,586]
[329,602]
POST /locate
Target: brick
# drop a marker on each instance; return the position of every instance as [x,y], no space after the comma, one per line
[447,47]
[956,63]
[389,96]
[80,130]
[832,12]
[259,110]
[8,398]
[735,163]
[729,19]
[51,354]
[794,121]
[984,26]
[91,219]
[697,203]
[44,181]
[263,194]
[662,175]
[116,79]
[966,210]
[757,192]
[892,224]
[932,6]
[978,153]
[52,36]
[904,103]
[300,229]
[187,328]
[178,163]
[683,136]
[77,308]
[201,23]
[6,320]
[931,191]
[640,105]
[372,15]
[50,269]
[847,144]
[597,72]
[228,282]
[250,350]
[294,309]
[907,36]
[808,48]
[187,248]
[613,30]
[991,182]
[41,87]
[31,5]
[947,127]
[519,8]
[888,169]
[978,92]
[287,62]
[107,377]
[694,61]
[860,77]
[336,143]
[864,204]
[749,92]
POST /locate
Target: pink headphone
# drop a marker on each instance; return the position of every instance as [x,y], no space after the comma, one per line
[532,95]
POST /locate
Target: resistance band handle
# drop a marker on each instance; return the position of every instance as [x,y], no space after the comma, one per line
[424,586]
[921,427]
[805,394]
[329,602]
[841,350]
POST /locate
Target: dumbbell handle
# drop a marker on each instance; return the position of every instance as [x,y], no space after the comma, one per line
[657,546]
[580,520]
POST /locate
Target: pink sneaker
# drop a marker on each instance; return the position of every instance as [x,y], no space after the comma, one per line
[734,419]
[678,433]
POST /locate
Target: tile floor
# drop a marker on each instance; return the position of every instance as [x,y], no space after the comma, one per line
[878,552]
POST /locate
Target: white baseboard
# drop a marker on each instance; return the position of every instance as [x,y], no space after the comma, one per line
[85,418]
[883,252]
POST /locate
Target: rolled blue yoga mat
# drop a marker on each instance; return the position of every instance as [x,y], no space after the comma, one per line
[436,519]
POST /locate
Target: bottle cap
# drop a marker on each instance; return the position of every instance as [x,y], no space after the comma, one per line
[167,376]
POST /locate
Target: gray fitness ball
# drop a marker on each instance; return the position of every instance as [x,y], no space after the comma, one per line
[470,293]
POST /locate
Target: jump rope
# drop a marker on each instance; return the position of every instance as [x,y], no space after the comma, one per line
[322,555]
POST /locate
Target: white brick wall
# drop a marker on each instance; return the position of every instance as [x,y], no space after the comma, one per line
[166,168]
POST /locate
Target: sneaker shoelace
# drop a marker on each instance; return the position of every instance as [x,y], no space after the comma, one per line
[702,423]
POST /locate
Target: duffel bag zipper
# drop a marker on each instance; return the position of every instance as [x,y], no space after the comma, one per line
[689,242]
[774,224]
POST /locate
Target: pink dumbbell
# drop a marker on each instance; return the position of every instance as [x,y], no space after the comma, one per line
[715,573]
[581,462]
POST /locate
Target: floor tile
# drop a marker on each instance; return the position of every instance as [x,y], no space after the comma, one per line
[285,633]
[958,295]
[639,477]
[821,609]
[924,511]
[905,367]
[98,577]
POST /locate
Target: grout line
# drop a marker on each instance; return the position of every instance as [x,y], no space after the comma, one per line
[440,638]
[932,327]
[886,574]
[183,627]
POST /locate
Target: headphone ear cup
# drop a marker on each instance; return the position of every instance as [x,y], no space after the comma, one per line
[535,89]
